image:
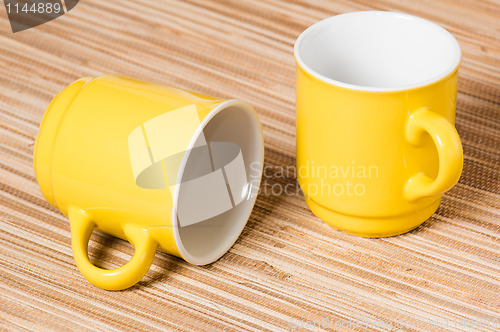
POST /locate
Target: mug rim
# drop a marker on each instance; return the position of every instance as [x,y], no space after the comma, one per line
[213,256]
[325,22]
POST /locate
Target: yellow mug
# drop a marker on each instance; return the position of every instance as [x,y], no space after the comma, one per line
[160,167]
[376,143]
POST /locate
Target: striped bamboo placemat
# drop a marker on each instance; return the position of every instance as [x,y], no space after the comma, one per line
[288,270]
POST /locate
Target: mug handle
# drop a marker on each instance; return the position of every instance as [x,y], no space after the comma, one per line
[115,279]
[449,149]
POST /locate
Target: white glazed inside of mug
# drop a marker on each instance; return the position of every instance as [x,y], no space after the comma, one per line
[379,51]
[226,191]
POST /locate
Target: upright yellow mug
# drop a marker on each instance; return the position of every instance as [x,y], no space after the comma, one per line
[376,145]
[160,167]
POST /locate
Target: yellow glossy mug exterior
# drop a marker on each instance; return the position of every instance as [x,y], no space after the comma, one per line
[83,166]
[374,159]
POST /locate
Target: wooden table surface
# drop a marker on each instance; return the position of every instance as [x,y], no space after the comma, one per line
[288,267]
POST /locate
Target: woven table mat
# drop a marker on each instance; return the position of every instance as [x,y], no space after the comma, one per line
[288,270]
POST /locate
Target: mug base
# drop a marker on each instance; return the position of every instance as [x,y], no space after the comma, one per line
[375,227]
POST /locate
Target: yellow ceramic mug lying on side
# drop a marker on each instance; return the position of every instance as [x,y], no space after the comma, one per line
[376,146]
[157,166]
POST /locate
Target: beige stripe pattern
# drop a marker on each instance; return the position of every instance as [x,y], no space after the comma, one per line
[288,270]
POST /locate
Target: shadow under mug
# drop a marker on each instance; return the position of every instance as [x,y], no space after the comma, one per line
[160,167]
[376,96]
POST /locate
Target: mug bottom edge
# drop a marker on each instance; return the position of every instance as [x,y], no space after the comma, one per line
[373,227]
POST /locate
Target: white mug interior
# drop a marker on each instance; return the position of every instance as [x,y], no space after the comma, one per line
[234,129]
[377,50]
